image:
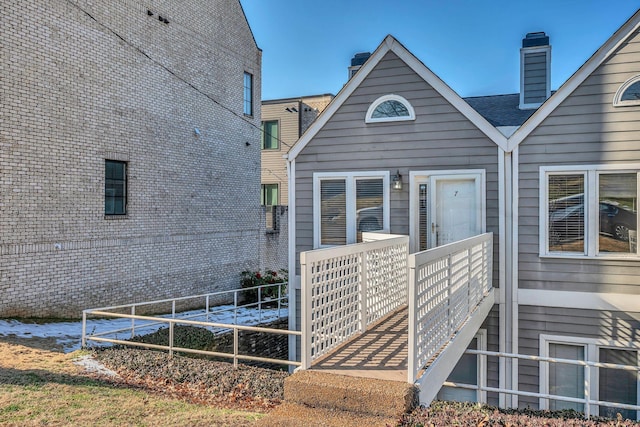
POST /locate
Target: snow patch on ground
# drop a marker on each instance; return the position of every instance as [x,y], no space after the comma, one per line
[92,366]
[69,334]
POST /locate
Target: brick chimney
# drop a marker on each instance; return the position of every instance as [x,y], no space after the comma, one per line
[535,70]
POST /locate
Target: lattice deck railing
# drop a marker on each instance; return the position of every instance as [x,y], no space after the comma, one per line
[445,285]
[347,288]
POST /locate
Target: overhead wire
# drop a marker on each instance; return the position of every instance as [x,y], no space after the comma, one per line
[173,73]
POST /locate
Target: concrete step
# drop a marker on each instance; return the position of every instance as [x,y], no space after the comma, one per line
[367,396]
[296,415]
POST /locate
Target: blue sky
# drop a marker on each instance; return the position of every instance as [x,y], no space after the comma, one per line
[472,45]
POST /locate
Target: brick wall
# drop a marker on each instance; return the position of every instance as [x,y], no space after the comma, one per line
[274,242]
[84,81]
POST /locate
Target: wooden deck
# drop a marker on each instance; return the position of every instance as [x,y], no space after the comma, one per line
[381,352]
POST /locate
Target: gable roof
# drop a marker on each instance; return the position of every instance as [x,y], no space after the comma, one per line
[606,50]
[500,110]
[390,44]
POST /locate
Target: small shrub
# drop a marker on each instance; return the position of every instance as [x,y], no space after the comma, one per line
[251,279]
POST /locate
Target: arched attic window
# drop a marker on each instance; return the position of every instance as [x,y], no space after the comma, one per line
[628,93]
[390,108]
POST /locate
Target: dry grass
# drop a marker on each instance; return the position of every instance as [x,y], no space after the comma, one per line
[40,387]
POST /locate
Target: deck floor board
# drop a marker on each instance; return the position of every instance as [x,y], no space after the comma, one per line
[381,352]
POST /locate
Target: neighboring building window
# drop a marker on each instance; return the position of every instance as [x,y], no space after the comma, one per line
[269,194]
[248,94]
[604,384]
[347,204]
[591,211]
[115,188]
[270,135]
[390,108]
[628,93]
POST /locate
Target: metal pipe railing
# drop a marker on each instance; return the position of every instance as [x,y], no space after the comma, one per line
[588,365]
[175,318]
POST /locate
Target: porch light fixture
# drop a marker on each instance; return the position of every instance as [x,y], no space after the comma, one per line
[397,181]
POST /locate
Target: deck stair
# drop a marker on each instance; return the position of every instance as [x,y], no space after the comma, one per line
[326,399]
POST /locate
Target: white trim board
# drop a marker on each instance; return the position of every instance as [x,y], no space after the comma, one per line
[629,303]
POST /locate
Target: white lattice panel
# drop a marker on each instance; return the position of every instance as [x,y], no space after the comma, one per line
[347,287]
[387,276]
[334,286]
[446,284]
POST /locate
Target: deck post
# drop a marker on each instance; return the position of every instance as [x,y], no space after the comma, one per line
[305,293]
[411,353]
[363,292]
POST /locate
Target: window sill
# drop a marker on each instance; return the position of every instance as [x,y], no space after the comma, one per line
[577,256]
[116,217]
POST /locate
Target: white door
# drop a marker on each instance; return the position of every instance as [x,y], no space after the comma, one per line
[455,209]
[446,206]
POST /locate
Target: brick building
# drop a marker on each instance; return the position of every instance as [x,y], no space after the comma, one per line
[129,152]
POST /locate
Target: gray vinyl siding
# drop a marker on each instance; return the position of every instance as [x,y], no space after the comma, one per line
[535,72]
[534,321]
[492,325]
[584,129]
[440,138]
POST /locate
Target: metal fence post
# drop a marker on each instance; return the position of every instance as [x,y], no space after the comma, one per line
[587,391]
[170,339]
[235,308]
[235,347]
[279,299]
[260,303]
[207,308]
[84,329]
[133,321]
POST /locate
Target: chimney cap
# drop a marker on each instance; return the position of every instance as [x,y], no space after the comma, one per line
[360,58]
[535,39]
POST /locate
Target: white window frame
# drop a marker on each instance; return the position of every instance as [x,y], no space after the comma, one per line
[591,194]
[247,94]
[383,99]
[481,360]
[263,134]
[617,99]
[350,200]
[591,354]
